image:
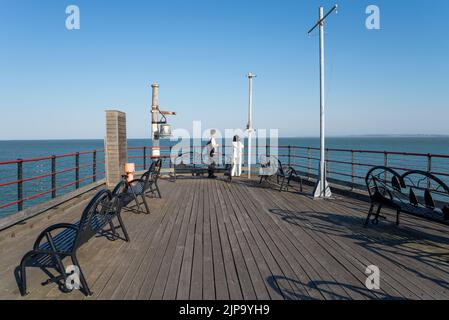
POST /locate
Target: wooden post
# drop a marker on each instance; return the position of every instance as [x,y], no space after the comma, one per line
[115,147]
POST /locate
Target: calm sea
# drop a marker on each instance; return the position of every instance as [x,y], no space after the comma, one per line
[10,150]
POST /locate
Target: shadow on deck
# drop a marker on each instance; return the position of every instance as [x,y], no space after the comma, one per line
[210,239]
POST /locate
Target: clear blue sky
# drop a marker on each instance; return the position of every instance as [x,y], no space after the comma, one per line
[57,83]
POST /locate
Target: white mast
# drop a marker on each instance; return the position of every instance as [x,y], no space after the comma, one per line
[250,120]
[322,189]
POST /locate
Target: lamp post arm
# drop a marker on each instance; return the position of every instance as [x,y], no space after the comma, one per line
[335,7]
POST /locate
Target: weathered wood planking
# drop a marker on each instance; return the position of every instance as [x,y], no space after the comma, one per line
[211,239]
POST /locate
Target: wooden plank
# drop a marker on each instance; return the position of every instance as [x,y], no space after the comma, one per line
[196,283]
[253,269]
[405,291]
[208,263]
[273,256]
[361,263]
[174,274]
[351,279]
[232,278]
[323,269]
[116,276]
[221,286]
[177,239]
[245,282]
[161,243]
[398,276]
[129,257]
[300,275]
[183,292]
[150,247]
[210,239]
[257,246]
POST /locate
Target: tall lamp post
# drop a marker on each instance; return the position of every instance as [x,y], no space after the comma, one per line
[249,127]
[160,128]
[155,150]
[322,189]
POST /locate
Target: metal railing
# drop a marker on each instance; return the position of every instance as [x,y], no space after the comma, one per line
[349,166]
[344,166]
[27,182]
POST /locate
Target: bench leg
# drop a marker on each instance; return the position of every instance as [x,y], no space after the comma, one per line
[114,232]
[282,184]
[158,191]
[22,269]
[370,212]
[22,277]
[122,226]
[145,203]
[86,289]
[139,207]
[376,217]
[397,216]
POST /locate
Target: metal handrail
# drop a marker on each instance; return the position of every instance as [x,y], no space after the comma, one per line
[351,168]
[53,173]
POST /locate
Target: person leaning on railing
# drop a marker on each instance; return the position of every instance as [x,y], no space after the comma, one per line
[211,147]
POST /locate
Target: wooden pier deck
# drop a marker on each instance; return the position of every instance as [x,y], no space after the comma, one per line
[210,239]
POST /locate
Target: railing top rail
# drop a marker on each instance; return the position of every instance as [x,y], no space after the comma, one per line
[195,146]
[65,155]
[375,152]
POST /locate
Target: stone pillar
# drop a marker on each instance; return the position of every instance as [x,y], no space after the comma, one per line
[115,147]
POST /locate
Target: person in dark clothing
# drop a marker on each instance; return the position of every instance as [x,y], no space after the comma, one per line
[212,152]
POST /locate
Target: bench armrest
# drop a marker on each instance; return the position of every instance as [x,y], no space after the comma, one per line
[292,174]
[47,233]
[291,171]
[135,180]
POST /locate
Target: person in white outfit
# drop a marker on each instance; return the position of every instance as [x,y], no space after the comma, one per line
[237,152]
[212,148]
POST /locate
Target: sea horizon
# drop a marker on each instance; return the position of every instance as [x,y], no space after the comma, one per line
[434,144]
[280,137]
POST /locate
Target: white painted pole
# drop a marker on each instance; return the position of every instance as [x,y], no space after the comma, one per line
[322,122]
[322,189]
[250,120]
[155,151]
